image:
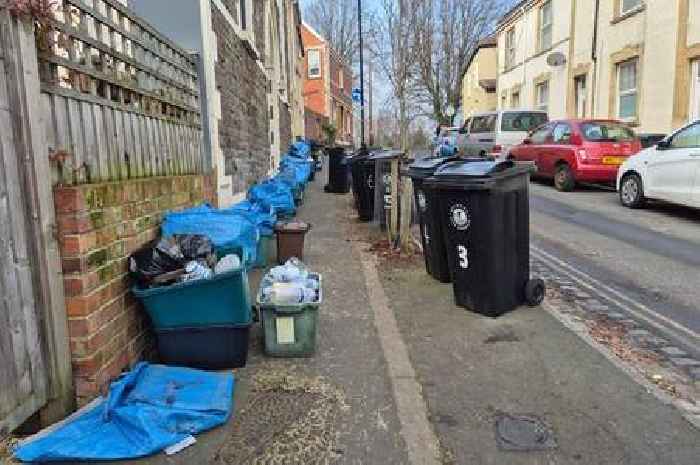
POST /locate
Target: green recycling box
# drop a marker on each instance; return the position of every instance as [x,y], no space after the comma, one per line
[290,330]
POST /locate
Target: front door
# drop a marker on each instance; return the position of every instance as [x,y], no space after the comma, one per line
[672,171]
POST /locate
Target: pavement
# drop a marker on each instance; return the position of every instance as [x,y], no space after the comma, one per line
[403,376]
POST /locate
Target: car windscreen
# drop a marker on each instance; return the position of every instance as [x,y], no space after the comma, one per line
[485,123]
[603,131]
[523,121]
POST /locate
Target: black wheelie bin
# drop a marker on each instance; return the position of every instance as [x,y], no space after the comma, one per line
[486,226]
[434,251]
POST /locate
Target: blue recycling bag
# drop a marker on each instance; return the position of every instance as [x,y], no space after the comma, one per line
[147,410]
[225,229]
[263,216]
[273,193]
[300,149]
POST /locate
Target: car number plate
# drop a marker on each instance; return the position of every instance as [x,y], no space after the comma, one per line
[613,160]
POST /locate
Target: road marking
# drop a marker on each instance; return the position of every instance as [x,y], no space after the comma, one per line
[416,430]
[633,307]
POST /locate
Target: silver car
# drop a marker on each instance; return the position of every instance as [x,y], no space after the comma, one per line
[493,133]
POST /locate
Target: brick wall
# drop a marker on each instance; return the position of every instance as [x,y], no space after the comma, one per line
[285,126]
[244,125]
[99,226]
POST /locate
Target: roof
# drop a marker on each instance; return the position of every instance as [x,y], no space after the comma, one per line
[487,42]
[313,31]
[516,8]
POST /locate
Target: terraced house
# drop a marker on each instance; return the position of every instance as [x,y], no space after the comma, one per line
[633,60]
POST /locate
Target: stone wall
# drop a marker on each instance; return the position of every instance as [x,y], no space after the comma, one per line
[244,127]
[285,126]
[99,226]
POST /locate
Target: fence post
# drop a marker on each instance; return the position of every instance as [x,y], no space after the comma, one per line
[394,223]
[406,214]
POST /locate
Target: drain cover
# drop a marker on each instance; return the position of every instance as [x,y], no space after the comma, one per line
[523,433]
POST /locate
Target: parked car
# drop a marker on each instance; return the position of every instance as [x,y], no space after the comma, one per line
[650,139]
[448,136]
[492,134]
[668,171]
[571,151]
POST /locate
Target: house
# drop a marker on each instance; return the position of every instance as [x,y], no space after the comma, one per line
[327,89]
[633,60]
[479,81]
[250,57]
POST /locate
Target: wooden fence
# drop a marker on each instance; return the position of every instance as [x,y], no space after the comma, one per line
[123,99]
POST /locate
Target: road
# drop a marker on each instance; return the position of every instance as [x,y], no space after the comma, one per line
[647,261]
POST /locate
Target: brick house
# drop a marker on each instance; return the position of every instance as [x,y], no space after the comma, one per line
[327,88]
[251,59]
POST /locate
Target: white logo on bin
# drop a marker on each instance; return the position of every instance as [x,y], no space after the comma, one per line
[459,217]
[463,254]
[370,181]
[422,201]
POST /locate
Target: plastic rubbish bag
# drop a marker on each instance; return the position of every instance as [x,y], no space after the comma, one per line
[290,283]
[291,293]
[228,263]
[195,270]
[292,271]
[273,193]
[148,409]
[168,255]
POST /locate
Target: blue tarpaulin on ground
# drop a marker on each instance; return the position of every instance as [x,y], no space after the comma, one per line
[225,229]
[147,410]
[273,193]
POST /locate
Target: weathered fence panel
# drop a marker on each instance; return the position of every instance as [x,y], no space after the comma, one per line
[123,99]
[23,371]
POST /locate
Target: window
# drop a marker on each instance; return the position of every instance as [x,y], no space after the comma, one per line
[522,121]
[313,58]
[545,37]
[510,48]
[341,84]
[629,5]
[581,96]
[542,96]
[687,138]
[695,91]
[504,101]
[515,100]
[627,90]
[598,131]
[243,11]
[540,135]
[561,134]
[485,123]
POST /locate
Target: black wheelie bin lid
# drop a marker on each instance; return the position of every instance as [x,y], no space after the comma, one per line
[471,175]
[386,155]
[426,167]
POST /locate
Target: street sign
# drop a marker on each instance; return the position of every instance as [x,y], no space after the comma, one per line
[356,95]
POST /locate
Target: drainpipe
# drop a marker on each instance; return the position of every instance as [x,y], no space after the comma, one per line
[594,57]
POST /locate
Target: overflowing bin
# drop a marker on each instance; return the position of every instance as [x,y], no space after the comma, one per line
[434,251]
[485,214]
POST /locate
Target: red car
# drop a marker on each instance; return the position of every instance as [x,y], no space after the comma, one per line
[571,151]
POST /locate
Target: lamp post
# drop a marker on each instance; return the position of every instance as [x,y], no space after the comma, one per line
[362,75]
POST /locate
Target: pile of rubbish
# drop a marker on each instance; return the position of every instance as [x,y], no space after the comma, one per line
[179,258]
[288,284]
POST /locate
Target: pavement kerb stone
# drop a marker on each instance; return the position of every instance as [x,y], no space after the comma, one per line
[418,435]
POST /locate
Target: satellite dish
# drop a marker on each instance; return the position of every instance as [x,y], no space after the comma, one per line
[556,59]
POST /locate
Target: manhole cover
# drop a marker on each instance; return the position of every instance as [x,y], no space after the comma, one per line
[523,433]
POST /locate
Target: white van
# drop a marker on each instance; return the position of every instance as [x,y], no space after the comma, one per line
[493,133]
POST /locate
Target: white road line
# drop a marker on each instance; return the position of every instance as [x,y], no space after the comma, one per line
[635,308]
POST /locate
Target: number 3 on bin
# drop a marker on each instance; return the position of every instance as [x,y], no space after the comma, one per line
[463,256]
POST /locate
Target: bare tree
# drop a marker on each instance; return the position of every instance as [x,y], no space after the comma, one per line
[336,21]
[392,44]
[446,33]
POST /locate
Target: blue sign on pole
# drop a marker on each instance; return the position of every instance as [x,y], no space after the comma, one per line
[356,95]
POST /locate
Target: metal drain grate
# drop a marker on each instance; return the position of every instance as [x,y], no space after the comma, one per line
[523,433]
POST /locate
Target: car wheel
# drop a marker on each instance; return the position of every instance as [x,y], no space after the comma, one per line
[564,178]
[632,191]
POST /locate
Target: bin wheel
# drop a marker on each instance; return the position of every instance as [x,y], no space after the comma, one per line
[534,292]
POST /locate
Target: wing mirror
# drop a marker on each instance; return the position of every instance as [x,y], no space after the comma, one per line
[663,144]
